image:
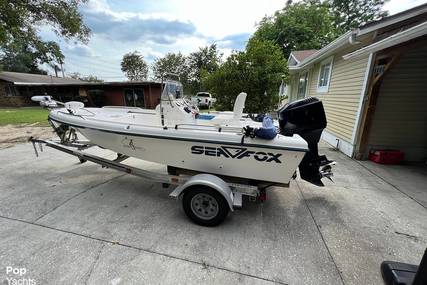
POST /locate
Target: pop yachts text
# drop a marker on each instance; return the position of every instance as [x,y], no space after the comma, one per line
[235,152]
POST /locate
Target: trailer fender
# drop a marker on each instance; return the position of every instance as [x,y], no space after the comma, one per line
[208,180]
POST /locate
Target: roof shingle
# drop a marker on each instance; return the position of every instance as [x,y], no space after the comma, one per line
[16,77]
[300,55]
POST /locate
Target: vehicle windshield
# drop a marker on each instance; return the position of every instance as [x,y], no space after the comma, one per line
[172,88]
[203,94]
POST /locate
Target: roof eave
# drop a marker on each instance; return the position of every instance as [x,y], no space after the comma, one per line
[332,46]
[85,83]
[49,84]
[404,36]
[296,60]
[413,12]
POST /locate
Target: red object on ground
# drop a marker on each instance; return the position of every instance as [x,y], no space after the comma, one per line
[386,156]
[262,196]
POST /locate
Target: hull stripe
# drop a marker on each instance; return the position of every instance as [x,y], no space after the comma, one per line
[183,139]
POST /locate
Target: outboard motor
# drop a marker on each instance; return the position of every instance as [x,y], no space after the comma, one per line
[306,117]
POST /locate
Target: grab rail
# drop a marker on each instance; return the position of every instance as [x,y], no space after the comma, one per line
[146,113]
[91,114]
[217,128]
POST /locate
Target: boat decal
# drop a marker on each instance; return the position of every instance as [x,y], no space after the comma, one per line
[238,153]
[129,143]
[181,139]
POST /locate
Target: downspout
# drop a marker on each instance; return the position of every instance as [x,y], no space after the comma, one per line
[352,39]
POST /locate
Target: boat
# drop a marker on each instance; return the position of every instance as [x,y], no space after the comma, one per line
[214,159]
[221,143]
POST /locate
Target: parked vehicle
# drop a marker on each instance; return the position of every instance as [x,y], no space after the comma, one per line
[203,99]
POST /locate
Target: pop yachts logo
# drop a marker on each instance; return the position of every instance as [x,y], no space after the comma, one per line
[235,152]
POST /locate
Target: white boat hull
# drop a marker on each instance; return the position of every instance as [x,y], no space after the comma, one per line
[257,163]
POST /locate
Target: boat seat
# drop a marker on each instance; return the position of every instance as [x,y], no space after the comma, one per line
[239,105]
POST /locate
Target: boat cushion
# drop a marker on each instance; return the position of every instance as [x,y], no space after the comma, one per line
[205,117]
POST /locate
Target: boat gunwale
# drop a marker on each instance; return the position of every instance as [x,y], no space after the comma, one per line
[179,138]
[196,126]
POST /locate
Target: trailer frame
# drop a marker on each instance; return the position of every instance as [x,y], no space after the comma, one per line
[231,191]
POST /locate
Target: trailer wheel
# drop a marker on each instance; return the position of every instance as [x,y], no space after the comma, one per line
[205,206]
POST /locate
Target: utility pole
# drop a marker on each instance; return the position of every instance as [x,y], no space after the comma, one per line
[62,69]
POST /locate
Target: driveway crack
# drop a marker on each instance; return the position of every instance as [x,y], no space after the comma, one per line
[76,195]
[320,233]
[95,262]
[392,185]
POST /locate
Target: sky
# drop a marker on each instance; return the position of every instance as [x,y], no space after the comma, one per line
[155,28]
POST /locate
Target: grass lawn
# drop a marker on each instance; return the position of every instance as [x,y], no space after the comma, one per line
[27,115]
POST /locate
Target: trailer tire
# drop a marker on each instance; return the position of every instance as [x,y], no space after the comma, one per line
[205,206]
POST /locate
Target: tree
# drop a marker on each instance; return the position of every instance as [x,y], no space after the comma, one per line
[304,25]
[88,78]
[257,71]
[21,59]
[19,39]
[351,14]
[134,66]
[205,60]
[175,63]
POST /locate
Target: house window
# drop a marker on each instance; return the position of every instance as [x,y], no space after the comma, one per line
[9,90]
[324,75]
[302,85]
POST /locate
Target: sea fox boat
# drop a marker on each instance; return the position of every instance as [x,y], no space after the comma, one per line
[223,143]
[221,153]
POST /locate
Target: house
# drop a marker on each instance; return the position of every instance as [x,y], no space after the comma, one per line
[16,90]
[373,84]
[144,94]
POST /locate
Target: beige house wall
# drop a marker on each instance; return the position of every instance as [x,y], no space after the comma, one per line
[342,99]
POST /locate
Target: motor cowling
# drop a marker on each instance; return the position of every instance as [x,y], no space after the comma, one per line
[307,118]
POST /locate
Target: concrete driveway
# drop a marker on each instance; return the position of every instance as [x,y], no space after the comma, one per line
[62,222]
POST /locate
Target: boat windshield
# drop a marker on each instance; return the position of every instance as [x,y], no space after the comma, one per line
[172,88]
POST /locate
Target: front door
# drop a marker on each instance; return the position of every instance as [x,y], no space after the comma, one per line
[134,97]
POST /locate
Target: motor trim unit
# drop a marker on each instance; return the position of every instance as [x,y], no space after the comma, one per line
[307,118]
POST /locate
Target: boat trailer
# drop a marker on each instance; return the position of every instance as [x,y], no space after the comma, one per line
[206,198]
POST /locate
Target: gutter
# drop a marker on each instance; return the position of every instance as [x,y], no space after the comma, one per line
[85,83]
[393,19]
[337,43]
[400,37]
[49,84]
